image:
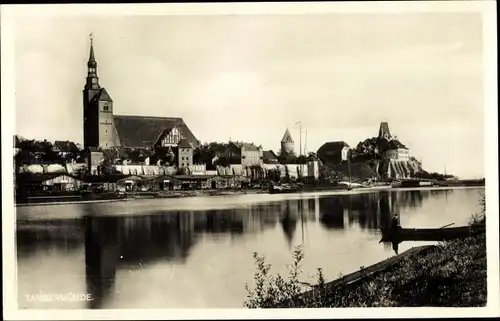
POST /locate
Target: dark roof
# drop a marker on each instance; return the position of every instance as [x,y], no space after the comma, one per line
[128,177]
[333,146]
[384,128]
[66,146]
[17,141]
[109,154]
[287,137]
[184,143]
[227,176]
[25,156]
[269,154]
[102,96]
[193,177]
[146,152]
[250,147]
[247,146]
[39,178]
[142,131]
[113,178]
[331,152]
[384,144]
[161,177]
[397,144]
[123,153]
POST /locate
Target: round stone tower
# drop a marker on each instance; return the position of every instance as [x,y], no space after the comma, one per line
[287,143]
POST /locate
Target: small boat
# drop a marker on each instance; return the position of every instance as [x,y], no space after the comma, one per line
[430,234]
[377,187]
[415,183]
[309,188]
[283,189]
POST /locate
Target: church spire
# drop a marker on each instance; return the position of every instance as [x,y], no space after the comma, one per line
[92,79]
[91,62]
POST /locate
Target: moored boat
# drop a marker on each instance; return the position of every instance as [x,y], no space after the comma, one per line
[430,234]
[283,189]
[415,183]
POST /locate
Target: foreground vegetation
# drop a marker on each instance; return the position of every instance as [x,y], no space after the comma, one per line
[452,274]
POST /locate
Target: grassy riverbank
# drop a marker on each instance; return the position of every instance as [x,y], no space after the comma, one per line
[451,274]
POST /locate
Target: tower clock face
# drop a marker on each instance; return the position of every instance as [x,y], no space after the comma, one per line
[94,80]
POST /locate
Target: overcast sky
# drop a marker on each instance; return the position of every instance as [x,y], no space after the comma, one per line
[248,78]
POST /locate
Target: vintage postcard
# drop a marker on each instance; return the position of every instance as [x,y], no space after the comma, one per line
[249,160]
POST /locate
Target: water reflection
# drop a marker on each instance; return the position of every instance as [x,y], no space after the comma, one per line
[288,214]
[135,242]
[368,211]
[332,212]
[42,235]
[102,251]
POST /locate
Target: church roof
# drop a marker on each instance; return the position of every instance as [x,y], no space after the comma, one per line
[143,131]
[102,96]
[287,137]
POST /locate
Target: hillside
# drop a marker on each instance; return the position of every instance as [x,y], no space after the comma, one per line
[380,169]
[360,171]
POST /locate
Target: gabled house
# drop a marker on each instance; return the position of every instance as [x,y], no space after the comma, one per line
[64,147]
[333,153]
[269,157]
[66,150]
[246,154]
[48,181]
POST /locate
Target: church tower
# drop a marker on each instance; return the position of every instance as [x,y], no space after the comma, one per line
[98,121]
[384,131]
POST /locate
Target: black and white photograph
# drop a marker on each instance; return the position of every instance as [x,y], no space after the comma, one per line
[221,159]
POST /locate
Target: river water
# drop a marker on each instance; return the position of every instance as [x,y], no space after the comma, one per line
[197,252]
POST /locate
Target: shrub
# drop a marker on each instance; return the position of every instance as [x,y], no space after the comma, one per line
[479,218]
[270,291]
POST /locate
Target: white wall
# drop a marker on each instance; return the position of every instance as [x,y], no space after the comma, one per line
[399,154]
[345,153]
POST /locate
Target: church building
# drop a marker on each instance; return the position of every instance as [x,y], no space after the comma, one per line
[102,129]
